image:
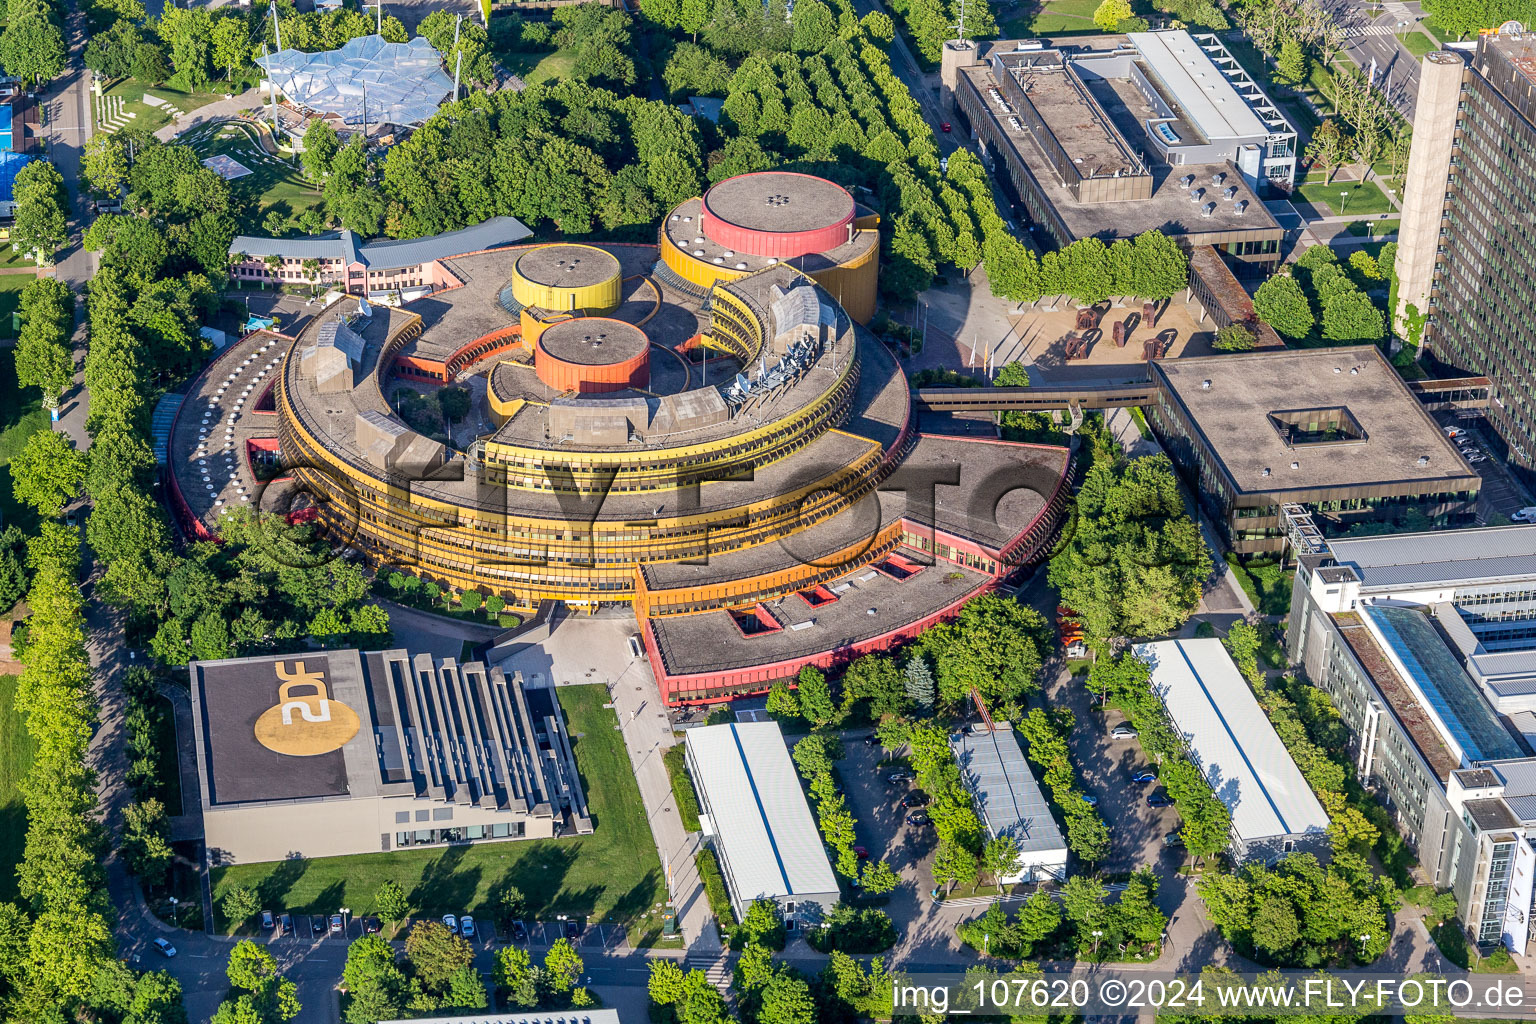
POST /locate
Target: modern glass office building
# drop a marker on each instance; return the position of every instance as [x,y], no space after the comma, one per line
[1466,248]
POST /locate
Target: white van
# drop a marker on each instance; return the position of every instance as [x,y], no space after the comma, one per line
[1525,515]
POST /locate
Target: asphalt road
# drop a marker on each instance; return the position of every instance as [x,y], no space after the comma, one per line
[1376,40]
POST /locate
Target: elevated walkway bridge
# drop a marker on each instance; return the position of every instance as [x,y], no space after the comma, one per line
[1073,397]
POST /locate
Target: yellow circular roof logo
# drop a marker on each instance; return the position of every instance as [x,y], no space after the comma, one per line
[305,724]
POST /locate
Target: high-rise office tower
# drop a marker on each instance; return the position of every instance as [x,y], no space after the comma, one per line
[1466,258]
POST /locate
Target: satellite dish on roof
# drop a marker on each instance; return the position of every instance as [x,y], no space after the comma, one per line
[363,309]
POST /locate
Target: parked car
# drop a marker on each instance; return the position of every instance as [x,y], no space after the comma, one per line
[519,932]
[915,799]
[451,923]
[285,924]
[1174,840]
[268,920]
[1525,515]
[1090,800]
[573,928]
[317,925]
[871,740]
[920,818]
[1144,775]
[467,926]
[1453,431]
[1123,731]
[861,853]
[372,926]
[1159,800]
[900,775]
[945,126]
[166,949]
[1477,457]
[338,927]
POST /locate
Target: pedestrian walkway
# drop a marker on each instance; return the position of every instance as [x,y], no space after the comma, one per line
[218,110]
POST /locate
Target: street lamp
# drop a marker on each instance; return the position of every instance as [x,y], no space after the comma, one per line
[1096,936]
[1343,198]
[986,942]
[175,912]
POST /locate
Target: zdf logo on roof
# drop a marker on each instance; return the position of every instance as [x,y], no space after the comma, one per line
[304,724]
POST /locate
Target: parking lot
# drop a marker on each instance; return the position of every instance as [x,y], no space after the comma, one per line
[1501,494]
[313,928]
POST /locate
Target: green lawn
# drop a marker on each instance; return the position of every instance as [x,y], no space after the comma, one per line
[21,416]
[535,67]
[1361,197]
[1419,44]
[10,298]
[1432,26]
[146,116]
[168,769]
[273,184]
[1373,228]
[611,875]
[16,748]
[1052,18]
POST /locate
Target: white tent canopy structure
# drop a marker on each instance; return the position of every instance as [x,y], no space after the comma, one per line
[404,83]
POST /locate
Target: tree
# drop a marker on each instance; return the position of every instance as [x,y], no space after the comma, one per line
[1084,900]
[435,954]
[455,403]
[919,682]
[105,165]
[879,878]
[1350,316]
[1235,338]
[231,45]
[250,967]
[815,697]
[1037,918]
[514,974]
[513,903]
[147,841]
[1291,67]
[1281,303]
[954,865]
[44,359]
[150,65]
[41,225]
[391,901]
[875,678]
[1000,857]
[32,47]
[783,703]
[1330,147]
[1110,13]
[786,999]
[374,981]
[239,903]
[320,148]
[48,472]
[562,966]
[993,646]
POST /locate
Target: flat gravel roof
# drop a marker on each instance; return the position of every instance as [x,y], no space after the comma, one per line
[1229,399]
[779,201]
[569,266]
[593,341]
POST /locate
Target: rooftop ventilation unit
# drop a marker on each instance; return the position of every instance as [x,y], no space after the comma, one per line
[1218,177]
[1197,195]
[1230,192]
[1240,206]
[1264,471]
[1208,209]
[1423,460]
[1205,385]
[1295,465]
[1186,181]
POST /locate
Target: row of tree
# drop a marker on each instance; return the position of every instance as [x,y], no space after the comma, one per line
[1320,294]
[965,854]
[1126,682]
[815,757]
[57,955]
[1044,734]
[1085,925]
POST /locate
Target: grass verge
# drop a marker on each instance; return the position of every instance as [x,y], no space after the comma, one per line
[612,875]
[714,891]
[682,786]
[16,750]
[1266,584]
[1362,198]
[1419,44]
[21,416]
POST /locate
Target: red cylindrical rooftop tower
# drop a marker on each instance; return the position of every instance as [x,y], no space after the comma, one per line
[777,213]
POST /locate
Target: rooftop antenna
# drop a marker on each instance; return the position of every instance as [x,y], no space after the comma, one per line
[960,28]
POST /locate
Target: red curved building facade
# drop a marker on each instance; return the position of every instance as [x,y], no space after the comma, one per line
[591,355]
[778,214]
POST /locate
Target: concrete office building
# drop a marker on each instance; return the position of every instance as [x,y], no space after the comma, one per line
[339,752]
[1230,740]
[1117,135]
[1427,645]
[1465,248]
[1008,798]
[1334,430]
[755,815]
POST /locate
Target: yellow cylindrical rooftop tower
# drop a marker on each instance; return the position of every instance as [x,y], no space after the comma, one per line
[568,278]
